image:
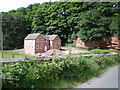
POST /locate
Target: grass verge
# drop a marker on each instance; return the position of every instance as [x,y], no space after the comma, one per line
[11,54]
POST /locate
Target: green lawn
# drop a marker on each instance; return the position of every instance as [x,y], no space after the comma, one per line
[11,54]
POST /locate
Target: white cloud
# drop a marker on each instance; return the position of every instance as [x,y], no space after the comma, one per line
[6,5]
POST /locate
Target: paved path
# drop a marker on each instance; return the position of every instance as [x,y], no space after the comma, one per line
[107,80]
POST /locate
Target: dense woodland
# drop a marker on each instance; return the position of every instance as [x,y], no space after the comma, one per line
[87,20]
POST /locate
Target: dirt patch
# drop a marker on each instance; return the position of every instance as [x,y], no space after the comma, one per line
[52,52]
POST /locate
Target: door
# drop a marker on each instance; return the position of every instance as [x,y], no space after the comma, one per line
[45,49]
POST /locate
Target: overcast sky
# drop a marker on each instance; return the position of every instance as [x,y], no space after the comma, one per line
[6,5]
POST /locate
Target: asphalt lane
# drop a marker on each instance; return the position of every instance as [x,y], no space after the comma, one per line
[107,80]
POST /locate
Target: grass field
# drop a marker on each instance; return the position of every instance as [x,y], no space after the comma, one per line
[11,54]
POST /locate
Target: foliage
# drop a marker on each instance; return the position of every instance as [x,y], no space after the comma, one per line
[106,61]
[95,24]
[100,51]
[74,36]
[71,45]
[89,20]
[14,31]
[48,74]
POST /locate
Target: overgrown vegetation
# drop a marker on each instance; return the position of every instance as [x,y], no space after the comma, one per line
[56,73]
[88,20]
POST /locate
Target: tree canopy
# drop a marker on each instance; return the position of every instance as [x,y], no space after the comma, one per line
[88,20]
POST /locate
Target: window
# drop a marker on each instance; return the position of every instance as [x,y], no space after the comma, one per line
[46,40]
[37,40]
[41,47]
[37,47]
[41,40]
[58,47]
[55,47]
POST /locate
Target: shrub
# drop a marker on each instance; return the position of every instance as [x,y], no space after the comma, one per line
[105,61]
[39,74]
[77,67]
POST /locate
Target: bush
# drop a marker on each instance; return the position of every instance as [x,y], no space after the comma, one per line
[39,74]
[77,67]
[105,61]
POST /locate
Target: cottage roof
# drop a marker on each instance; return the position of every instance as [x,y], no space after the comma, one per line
[45,37]
[35,35]
[32,36]
[52,37]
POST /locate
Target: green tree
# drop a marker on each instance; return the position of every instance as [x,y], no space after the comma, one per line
[95,23]
[14,31]
[88,20]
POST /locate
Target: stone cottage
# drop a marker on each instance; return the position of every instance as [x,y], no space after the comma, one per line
[38,43]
